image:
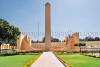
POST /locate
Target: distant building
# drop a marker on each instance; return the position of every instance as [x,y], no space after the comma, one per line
[7,46]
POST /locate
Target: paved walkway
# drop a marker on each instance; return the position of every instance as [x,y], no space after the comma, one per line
[47,59]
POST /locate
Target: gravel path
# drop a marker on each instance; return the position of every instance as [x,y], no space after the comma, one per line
[47,59]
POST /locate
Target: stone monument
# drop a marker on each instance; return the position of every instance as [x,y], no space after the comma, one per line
[47,26]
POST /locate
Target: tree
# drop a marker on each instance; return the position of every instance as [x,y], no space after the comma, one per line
[80,44]
[97,39]
[0,46]
[52,39]
[90,39]
[8,33]
[43,39]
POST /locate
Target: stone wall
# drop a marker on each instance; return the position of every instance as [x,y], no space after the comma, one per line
[19,41]
[24,43]
[71,40]
[54,46]
[93,44]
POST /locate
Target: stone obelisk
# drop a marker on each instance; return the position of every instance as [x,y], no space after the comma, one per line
[47,27]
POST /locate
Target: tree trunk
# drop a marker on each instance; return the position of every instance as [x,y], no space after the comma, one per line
[80,49]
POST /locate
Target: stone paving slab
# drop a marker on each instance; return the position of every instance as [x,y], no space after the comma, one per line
[47,59]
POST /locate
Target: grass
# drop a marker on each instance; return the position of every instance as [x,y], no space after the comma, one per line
[15,61]
[77,60]
[32,61]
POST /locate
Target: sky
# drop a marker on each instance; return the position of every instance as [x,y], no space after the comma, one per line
[66,16]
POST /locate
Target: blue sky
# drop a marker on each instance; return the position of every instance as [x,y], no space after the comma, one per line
[66,15]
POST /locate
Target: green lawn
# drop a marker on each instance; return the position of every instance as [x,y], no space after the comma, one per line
[77,60]
[15,61]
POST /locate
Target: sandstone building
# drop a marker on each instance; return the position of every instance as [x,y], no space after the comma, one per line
[24,43]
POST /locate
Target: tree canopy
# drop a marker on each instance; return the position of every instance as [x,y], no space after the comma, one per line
[8,33]
[80,44]
[90,39]
[52,39]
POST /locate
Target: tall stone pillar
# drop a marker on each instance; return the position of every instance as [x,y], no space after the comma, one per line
[47,27]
